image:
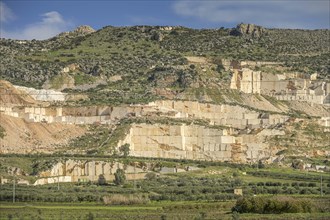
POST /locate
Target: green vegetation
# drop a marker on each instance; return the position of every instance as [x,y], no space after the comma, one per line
[94,140]
[101,139]
[82,79]
[141,64]
[148,59]
[158,210]
[273,100]
[58,81]
[297,132]
[120,177]
[274,205]
[193,194]
[124,150]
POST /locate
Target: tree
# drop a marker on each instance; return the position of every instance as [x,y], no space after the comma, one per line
[124,150]
[101,180]
[120,177]
[151,176]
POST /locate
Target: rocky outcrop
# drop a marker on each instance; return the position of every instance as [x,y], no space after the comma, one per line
[84,29]
[248,30]
[79,31]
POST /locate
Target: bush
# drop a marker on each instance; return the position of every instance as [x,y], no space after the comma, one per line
[151,176]
[131,199]
[120,177]
[101,180]
[124,150]
[278,205]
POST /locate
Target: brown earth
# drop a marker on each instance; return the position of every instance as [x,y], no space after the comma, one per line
[11,96]
[25,137]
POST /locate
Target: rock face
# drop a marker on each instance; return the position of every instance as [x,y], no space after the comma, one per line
[223,115]
[80,171]
[47,95]
[79,31]
[198,143]
[251,30]
[84,29]
[164,128]
[281,86]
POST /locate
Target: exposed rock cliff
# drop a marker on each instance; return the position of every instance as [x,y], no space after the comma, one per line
[79,31]
[248,30]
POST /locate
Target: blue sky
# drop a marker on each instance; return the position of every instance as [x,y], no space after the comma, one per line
[43,19]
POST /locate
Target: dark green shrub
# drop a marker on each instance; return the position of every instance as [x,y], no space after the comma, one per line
[120,177]
[272,205]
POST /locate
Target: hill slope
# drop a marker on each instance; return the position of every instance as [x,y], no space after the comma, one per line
[174,82]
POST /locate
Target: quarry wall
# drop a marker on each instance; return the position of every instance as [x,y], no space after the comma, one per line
[197,143]
[83,171]
[281,86]
[227,115]
[43,94]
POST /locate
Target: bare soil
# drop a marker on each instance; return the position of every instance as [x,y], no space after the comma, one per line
[25,137]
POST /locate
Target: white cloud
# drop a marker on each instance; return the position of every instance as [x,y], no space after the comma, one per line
[51,24]
[269,13]
[6,13]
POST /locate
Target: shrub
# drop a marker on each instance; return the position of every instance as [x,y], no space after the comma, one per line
[120,199]
[124,150]
[272,205]
[120,177]
[151,176]
[101,180]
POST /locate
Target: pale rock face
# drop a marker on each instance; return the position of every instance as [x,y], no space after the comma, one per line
[47,95]
[250,30]
[289,86]
[84,29]
[227,115]
[115,78]
[79,31]
[314,76]
[196,143]
[77,170]
[71,67]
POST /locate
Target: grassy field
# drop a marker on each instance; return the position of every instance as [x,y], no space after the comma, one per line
[154,210]
[206,193]
[159,210]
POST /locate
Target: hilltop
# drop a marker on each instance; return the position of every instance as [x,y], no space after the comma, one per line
[133,51]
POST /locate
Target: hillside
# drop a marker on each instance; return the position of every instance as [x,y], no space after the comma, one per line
[243,94]
[160,122]
[143,55]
